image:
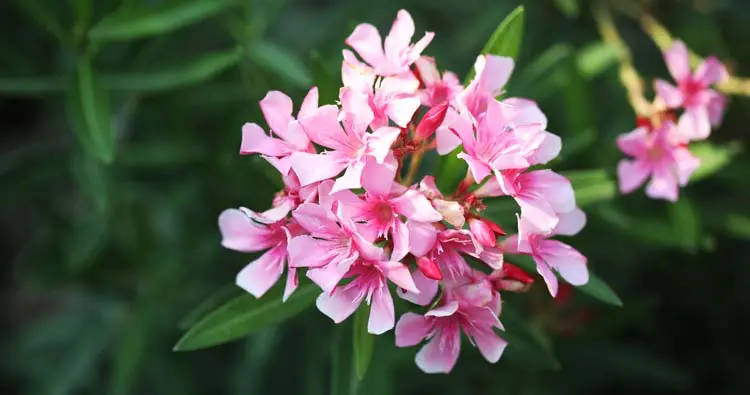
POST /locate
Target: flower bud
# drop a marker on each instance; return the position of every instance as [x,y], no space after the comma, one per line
[451,211]
[512,279]
[483,232]
[429,268]
[431,121]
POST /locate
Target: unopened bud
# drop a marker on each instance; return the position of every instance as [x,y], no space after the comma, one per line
[512,279]
[431,121]
[429,268]
[452,212]
[482,232]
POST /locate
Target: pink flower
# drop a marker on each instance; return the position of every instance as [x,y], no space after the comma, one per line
[447,246]
[294,194]
[277,109]
[541,194]
[437,89]
[350,146]
[704,107]
[389,98]
[381,210]
[491,74]
[332,246]
[452,211]
[369,283]
[397,53]
[469,305]
[430,122]
[246,231]
[549,254]
[511,278]
[659,154]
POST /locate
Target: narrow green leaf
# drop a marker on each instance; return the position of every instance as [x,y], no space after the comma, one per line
[363,342]
[130,350]
[222,296]
[282,62]
[506,40]
[194,72]
[144,22]
[596,58]
[685,222]
[571,8]
[713,158]
[343,377]
[244,315]
[327,83]
[88,107]
[39,12]
[539,79]
[591,186]
[29,86]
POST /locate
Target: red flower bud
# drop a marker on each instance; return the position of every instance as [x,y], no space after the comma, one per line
[431,121]
[429,268]
[483,232]
[513,279]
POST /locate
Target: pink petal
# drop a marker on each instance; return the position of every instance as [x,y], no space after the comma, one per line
[663,184]
[669,93]
[256,141]
[493,72]
[377,179]
[305,251]
[310,103]
[356,111]
[399,274]
[694,124]
[570,223]
[634,142]
[291,283]
[711,71]
[479,170]
[261,274]
[323,127]
[570,263]
[686,164]
[327,277]
[446,141]
[716,105]
[411,329]
[402,110]
[312,168]
[510,245]
[428,289]
[519,111]
[240,233]
[351,179]
[677,61]
[452,212]
[554,188]
[537,211]
[316,220]
[382,315]
[380,142]
[428,70]
[365,39]
[282,164]
[277,109]
[489,344]
[340,304]
[400,234]
[632,174]
[295,135]
[493,257]
[548,149]
[346,197]
[356,74]
[445,310]
[399,38]
[440,354]
[415,206]
[420,46]
[422,237]
[547,275]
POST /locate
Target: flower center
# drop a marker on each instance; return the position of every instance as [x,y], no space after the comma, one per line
[383,212]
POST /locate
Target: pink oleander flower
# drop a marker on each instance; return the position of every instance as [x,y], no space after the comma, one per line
[452,211]
[369,284]
[491,74]
[380,210]
[396,54]
[437,89]
[332,246]
[658,153]
[469,304]
[541,194]
[350,146]
[549,254]
[391,98]
[294,194]
[246,231]
[704,107]
[446,247]
[277,109]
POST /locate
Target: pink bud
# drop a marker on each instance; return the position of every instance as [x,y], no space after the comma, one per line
[482,231]
[431,121]
[513,279]
[429,268]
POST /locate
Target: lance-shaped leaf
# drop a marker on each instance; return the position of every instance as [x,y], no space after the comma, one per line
[88,107]
[363,342]
[506,40]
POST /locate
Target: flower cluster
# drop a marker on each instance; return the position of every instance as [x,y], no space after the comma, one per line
[351,218]
[659,146]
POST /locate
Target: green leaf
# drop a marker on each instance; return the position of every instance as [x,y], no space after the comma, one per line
[591,186]
[571,8]
[685,222]
[220,297]
[506,40]
[194,72]
[145,22]
[23,86]
[282,62]
[713,158]
[88,108]
[598,289]
[244,315]
[343,377]
[539,79]
[596,58]
[39,12]
[363,342]
[130,352]
[526,341]
[327,83]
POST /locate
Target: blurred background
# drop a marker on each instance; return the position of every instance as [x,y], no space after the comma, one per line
[104,263]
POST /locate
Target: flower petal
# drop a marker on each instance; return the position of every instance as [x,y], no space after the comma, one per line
[382,315]
[414,205]
[256,141]
[422,237]
[490,345]
[677,61]
[631,174]
[312,168]
[316,220]
[400,111]
[428,289]
[440,354]
[570,223]
[240,233]
[663,184]
[261,274]
[411,329]
[340,304]
[399,274]
[305,251]
[277,109]
[710,72]
[669,93]
[400,234]
[566,260]
[365,39]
